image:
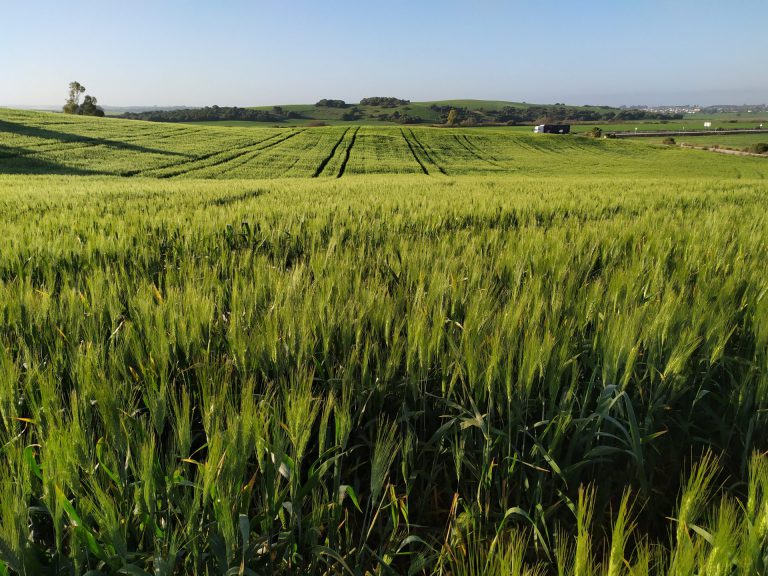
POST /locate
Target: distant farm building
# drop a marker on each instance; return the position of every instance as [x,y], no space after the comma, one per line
[552,129]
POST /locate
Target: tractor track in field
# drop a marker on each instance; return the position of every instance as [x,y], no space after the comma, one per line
[87,142]
[238,155]
[526,146]
[144,172]
[479,150]
[347,153]
[474,153]
[537,148]
[167,135]
[147,172]
[427,154]
[330,156]
[33,149]
[413,153]
[86,139]
[249,155]
[194,160]
[289,168]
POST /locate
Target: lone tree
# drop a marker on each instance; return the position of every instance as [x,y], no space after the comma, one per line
[73,101]
[87,108]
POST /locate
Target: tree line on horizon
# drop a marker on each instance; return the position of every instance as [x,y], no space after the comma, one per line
[544,114]
[403,114]
[214,113]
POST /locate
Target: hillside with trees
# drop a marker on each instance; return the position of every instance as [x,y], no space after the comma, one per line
[390,110]
[214,113]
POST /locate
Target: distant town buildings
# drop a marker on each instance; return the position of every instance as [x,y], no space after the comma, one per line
[696,109]
[685,109]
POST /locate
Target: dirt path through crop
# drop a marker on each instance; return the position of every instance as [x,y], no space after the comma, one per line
[723,151]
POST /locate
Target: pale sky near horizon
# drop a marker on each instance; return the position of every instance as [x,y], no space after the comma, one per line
[259,52]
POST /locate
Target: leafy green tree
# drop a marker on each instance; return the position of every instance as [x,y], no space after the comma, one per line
[73,106]
[329,103]
[89,107]
[73,100]
[384,102]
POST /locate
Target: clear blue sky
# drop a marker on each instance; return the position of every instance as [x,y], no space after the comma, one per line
[238,52]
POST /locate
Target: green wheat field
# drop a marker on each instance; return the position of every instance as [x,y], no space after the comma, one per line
[378,350]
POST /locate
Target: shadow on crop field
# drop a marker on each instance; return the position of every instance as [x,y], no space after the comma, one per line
[17,160]
[64,137]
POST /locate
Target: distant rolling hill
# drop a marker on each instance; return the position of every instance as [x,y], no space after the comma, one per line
[397,111]
[45,143]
